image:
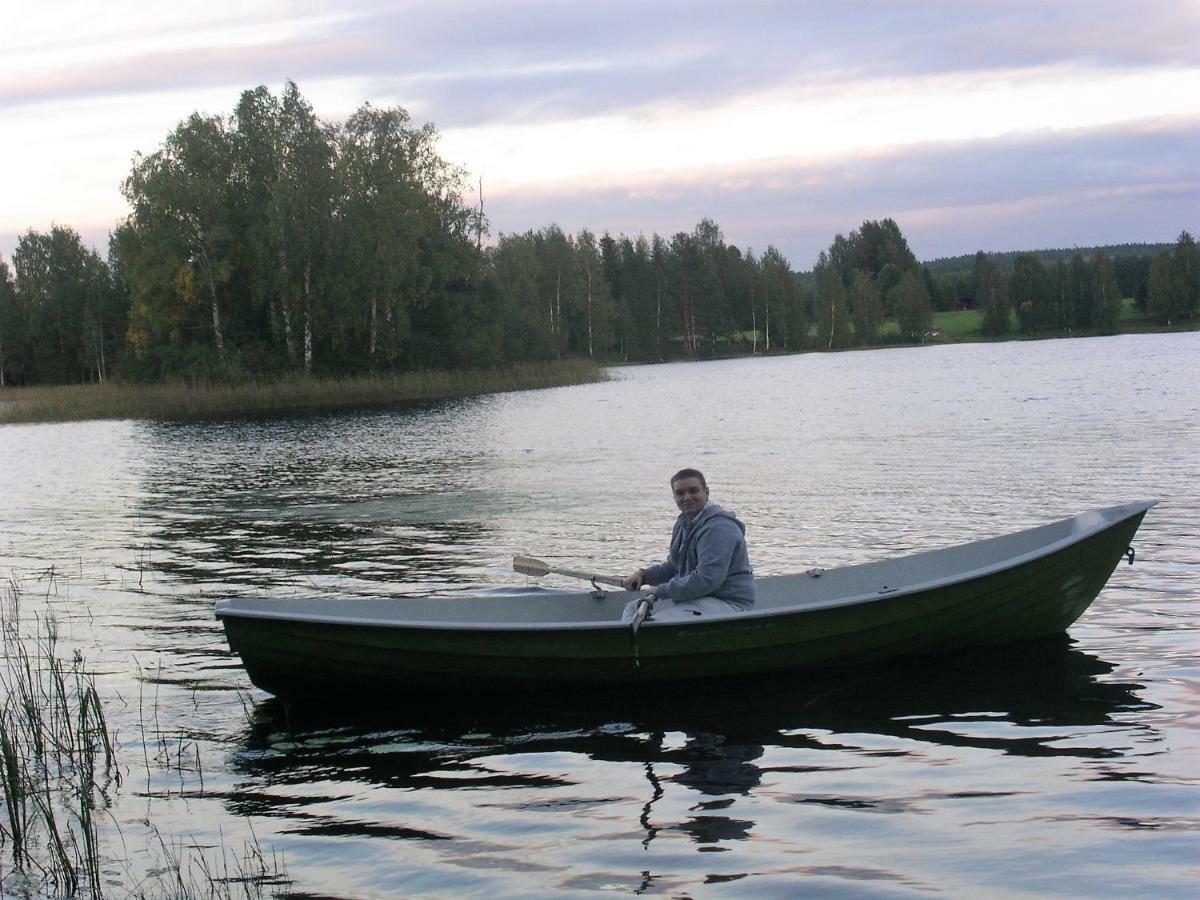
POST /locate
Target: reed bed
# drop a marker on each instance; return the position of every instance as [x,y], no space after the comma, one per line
[59,776]
[179,401]
[190,870]
[56,757]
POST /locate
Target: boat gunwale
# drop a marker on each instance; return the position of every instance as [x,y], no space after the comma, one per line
[1139,507]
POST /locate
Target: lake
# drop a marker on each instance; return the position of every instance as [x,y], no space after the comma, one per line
[1066,767]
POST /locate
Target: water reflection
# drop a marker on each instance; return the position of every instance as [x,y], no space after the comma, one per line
[368,501]
[717,743]
[915,778]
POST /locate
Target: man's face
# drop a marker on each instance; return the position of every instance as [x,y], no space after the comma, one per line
[690,496]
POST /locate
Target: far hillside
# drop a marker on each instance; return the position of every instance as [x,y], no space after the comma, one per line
[951,279]
[868,288]
[966,262]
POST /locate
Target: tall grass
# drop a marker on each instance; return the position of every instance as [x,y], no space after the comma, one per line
[58,769]
[190,870]
[180,401]
[56,756]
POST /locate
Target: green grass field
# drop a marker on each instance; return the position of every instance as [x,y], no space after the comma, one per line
[958,324]
[953,326]
[961,325]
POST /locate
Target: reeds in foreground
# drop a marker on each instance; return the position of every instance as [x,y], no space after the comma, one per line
[57,768]
[56,756]
[188,871]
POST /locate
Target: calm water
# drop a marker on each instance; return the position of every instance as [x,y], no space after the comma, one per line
[1070,767]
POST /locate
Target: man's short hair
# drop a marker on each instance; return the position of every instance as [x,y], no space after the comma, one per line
[689,473]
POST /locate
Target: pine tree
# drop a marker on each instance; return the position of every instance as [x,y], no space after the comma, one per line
[866,308]
[1029,293]
[1167,299]
[914,313]
[991,294]
[1106,295]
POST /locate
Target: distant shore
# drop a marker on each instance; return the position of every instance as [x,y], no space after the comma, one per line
[298,395]
[274,397]
[966,326]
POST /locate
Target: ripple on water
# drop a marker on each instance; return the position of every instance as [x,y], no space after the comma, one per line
[1065,768]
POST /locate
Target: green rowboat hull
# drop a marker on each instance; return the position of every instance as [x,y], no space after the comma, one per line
[1021,586]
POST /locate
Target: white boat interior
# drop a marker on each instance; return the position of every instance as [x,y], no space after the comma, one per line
[521,608]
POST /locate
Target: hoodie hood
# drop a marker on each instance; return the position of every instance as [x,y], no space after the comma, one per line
[709,512]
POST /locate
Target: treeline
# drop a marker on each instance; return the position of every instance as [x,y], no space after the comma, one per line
[958,265]
[63,317]
[863,280]
[1086,294]
[871,277]
[642,299]
[269,241]
[955,277]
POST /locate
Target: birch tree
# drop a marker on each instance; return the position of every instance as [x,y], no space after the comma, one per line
[9,322]
[833,314]
[183,189]
[301,212]
[778,294]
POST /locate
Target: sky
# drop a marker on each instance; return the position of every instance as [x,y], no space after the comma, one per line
[976,126]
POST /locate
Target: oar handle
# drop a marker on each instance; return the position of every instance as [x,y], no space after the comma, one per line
[588,576]
[527,565]
[643,610]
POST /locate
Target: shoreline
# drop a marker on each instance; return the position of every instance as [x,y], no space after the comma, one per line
[316,395]
[1132,326]
[301,396]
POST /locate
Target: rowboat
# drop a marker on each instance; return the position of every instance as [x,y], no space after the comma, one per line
[1019,586]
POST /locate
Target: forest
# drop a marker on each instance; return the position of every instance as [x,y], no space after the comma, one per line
[270,242]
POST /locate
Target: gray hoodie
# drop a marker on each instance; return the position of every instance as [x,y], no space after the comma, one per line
[708,558]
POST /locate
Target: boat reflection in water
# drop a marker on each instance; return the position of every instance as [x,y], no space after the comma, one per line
[716,743]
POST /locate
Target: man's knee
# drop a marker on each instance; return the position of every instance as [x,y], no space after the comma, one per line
[667,610]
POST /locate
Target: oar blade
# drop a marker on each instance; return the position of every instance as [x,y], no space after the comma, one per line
[527,565]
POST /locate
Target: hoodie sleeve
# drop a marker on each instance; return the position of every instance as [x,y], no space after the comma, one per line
[660,572]
[665,570]
[715,546]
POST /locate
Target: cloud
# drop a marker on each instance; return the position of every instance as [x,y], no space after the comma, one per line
[484,62]
[1110,185]
[785,121]
[866,118]
[517,60]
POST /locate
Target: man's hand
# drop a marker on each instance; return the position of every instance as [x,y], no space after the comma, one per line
[635,581]
[650,591]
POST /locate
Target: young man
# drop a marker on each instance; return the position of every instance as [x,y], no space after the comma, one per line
[707,569]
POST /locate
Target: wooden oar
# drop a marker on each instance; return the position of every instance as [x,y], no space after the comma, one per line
[643,610]
[527,565]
